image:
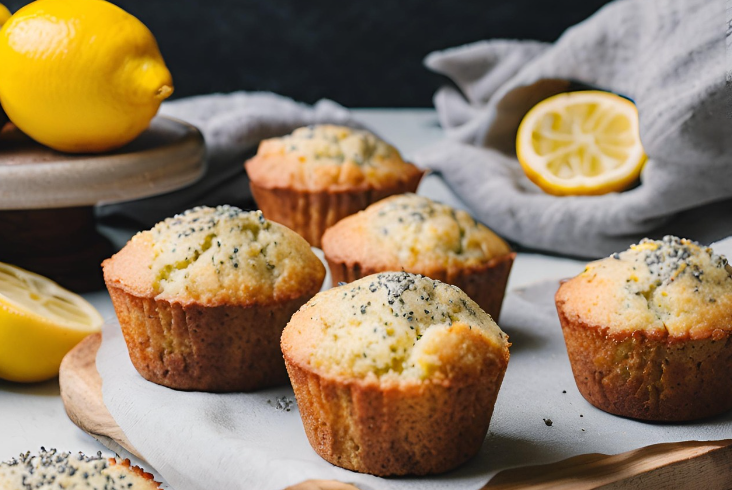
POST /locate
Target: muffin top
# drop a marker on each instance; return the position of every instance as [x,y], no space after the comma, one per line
[413,233]
[215,256]
[395,327]
[327,157]
[52,470]
[671,287]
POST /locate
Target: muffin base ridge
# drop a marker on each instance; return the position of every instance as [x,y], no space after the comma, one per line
[486,285]
[197,348]
[311,213]
[645,378]
[415,429]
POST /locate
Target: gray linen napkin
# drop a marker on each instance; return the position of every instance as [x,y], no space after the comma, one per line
[666,55]
[232,125]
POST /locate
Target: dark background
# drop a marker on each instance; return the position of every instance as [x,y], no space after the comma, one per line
[361,54]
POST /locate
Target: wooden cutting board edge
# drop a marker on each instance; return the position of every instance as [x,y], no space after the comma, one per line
[689,464]
[81,393]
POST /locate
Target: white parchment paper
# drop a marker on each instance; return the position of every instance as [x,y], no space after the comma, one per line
[204,441]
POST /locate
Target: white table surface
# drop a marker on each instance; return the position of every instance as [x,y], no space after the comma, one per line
[33,415]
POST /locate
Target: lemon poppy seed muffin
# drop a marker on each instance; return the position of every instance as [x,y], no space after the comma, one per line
[202,298]
[50,470]
[415,234]
[312,178]
[395,374]
[648,331]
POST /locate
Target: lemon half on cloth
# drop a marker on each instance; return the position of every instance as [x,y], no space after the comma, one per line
[581,143]
[39,323]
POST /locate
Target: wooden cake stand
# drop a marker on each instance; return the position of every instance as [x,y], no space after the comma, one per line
[47,198]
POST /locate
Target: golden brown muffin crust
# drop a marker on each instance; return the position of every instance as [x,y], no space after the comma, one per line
[216,256]
[328,158]
[671,287]
[394,327]
[413,233]
[129,269]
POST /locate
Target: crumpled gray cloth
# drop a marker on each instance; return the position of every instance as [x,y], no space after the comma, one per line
[232,126]
[666,55]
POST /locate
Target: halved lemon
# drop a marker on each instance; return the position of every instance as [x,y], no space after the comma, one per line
[581,143]
[39,323]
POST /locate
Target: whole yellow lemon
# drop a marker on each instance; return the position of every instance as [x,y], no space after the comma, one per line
[80,76]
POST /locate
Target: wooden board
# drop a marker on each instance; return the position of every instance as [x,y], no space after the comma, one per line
[691,464]
[81,392]
[167,156]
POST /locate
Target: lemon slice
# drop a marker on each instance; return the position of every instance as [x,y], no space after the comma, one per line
[582,143]
[39,323]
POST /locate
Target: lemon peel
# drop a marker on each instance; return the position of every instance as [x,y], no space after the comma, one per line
[4,14]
